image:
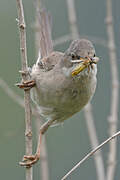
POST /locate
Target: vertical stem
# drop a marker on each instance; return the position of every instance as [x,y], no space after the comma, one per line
[72,19]
[94,141]
[99,164]
[44,168]
[28,131]
[113,118]
[43,43]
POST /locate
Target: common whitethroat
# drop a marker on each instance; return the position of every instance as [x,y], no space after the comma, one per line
[63,83]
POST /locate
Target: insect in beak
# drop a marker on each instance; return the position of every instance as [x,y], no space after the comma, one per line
[83,63]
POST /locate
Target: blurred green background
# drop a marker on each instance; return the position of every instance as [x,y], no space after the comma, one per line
[66,145]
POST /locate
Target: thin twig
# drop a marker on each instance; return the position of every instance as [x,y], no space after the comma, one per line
[113,118]
[28,132]
[94,141]
[16,98]
[65,38]
[44,170]
[72,19]
[88,110]
[90,154]
[20,101]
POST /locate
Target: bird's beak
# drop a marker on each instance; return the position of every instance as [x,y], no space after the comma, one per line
[83,63]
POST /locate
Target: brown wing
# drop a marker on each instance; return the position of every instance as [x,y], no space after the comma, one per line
[50,61]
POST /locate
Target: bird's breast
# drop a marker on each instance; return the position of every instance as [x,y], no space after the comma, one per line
[61,97]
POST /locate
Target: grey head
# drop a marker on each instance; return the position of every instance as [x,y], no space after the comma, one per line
[78,49]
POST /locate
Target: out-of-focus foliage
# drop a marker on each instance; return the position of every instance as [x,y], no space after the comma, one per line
[69,143]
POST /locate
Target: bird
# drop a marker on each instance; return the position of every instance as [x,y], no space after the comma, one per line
[62,84]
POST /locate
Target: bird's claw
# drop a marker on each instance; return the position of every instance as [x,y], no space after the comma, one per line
[28,161]
[26,85]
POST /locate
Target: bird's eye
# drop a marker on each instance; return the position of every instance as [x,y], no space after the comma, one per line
[94,55]
[73,55]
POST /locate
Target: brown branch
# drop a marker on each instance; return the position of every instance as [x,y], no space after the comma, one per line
[87,111]
[20,101]
[90,154]
[113,118]
[28,131]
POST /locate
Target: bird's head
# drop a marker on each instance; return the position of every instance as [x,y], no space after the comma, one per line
[80,56]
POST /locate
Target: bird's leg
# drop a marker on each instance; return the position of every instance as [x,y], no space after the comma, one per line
[28,161]
[26,85]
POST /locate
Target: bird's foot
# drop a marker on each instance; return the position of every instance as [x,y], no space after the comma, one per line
[26,85]
[28,161]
